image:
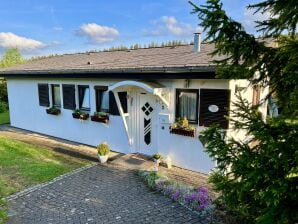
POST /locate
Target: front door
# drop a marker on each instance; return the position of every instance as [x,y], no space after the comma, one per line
[143,120]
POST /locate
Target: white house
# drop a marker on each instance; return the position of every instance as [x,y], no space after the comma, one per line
[143,90]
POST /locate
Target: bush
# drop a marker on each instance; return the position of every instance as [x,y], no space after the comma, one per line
[103,149]
[3,107]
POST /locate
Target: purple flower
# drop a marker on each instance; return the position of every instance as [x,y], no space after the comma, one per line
[176,195]
[198,199]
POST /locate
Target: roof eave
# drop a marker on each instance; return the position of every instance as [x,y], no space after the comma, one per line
[169,72]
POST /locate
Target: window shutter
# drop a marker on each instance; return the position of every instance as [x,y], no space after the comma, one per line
[43,95]
[69,99]
[214,106]
[123,100]
[113,105]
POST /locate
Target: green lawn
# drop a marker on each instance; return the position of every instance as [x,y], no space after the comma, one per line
[23,165]
[4,118]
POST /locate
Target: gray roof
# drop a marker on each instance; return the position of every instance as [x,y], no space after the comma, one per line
[148,59]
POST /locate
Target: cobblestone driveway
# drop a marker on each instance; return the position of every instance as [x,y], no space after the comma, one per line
[100,194]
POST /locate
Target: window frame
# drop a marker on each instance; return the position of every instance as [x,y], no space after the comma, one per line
[53,95]
[80,103]
[99,91]
[177,112]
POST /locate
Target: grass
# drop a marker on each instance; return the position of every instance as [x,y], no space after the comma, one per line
[23,165]
[4,118]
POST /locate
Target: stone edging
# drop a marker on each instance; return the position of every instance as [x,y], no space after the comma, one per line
[39,186]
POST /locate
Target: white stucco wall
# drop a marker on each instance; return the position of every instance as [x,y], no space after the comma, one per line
[27,114]
[246,93]
[184,151]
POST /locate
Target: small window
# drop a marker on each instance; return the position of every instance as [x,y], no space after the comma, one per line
[84,97]
[43,95]
[56,97]
[187,104]
[102,100]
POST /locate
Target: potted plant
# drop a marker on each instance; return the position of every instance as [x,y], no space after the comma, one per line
[157,158]
[78,114]
[53,111]
[103,151]
[100,117]
[182,127]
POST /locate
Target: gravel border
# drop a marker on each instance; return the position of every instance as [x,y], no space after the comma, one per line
[39,186]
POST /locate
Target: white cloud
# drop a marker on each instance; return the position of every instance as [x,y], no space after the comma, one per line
[169,25]
[97,33]
[9,39]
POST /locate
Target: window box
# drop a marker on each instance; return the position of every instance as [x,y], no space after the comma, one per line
[182,131]
[53,111]
[77,114]
[182,127]
[100,117]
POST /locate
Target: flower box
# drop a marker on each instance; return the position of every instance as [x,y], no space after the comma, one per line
[80,116]
[184,132]
[103,119]
[53,111]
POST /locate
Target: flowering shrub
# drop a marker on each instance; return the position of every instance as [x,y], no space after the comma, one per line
[196,199]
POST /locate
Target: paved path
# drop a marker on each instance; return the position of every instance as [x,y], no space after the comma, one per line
[100,194]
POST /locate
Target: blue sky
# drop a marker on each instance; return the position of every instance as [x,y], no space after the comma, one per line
[66,26]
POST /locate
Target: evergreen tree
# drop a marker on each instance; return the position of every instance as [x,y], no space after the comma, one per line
[257,178]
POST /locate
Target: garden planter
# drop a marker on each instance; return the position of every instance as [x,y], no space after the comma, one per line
[184,132]
[103,159]
[80,116]
[53,112]
[100,119]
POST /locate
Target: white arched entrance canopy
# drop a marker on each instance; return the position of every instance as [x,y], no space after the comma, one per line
[131,118]
[150,87]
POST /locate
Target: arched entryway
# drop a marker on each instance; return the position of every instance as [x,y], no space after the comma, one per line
[140,118]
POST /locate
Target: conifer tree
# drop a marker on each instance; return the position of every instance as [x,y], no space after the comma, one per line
[258,177]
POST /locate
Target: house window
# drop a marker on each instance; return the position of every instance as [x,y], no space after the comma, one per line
[56,97]
[84,97]
[187,101]
[214,107]
[102,101]
[43,95]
